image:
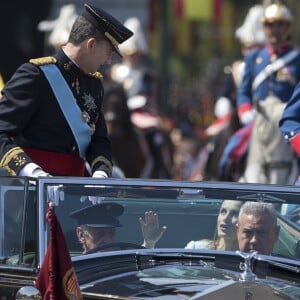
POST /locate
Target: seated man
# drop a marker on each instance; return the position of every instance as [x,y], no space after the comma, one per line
[97,225]
[257,228]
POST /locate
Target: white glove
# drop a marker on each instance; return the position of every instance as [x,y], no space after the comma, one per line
[248,116]
[100,174]
[55,194]
[93,199]
[33,170]
[38,172]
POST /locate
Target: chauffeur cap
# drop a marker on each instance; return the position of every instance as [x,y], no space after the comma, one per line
[99,215]
[112,29]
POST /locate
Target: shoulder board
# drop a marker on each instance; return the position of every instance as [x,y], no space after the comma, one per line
[96,75]
[43,60]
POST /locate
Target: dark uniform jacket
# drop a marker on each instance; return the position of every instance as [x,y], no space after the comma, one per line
[31,118]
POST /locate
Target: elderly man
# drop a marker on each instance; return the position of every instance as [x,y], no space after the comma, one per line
[257,228]
[97,226]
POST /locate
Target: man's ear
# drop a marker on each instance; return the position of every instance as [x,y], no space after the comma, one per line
[80,234]
[91,43]
[237,227]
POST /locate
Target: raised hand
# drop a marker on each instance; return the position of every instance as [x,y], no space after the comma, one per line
[151,230]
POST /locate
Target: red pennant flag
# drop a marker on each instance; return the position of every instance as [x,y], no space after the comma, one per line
[57,279]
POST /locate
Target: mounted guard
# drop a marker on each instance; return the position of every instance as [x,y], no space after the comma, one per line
[232,154]
[270,76]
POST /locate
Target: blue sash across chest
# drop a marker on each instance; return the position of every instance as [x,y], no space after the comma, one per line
[66,100]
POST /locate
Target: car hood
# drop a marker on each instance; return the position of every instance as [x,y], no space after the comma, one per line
[161,275]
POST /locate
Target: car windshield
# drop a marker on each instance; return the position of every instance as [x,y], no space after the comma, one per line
[109,215]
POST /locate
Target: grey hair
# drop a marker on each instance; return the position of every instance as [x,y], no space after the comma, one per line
[259,209]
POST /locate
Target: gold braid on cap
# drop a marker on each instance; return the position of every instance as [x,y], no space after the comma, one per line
[112,39]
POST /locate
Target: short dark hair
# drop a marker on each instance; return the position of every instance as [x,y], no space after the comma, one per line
[83,29]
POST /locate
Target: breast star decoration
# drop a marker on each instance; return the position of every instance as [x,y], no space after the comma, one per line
[89,102]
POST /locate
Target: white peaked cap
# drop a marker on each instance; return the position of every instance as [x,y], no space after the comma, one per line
[137,43]
[251,32]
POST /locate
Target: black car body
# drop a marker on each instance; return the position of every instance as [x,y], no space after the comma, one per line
[126,269]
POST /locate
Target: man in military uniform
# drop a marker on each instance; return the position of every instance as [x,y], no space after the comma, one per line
[50,113]
[290,121]
[270,76]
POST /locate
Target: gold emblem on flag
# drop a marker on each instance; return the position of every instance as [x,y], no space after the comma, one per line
[70,286]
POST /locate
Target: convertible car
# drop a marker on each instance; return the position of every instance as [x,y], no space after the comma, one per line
[128,268]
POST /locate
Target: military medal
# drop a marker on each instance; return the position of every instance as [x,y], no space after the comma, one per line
[85,117]
[67,66]
[93,128]
[75,84]
[89,102]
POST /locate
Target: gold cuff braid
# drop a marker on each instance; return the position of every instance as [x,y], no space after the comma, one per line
[13,156]
[103,160]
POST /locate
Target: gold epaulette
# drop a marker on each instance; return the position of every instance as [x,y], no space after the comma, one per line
[96,75]
[43,60]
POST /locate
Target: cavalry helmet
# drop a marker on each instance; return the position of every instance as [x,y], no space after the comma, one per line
[251,32]
[277,12]
[137,43]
